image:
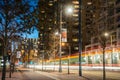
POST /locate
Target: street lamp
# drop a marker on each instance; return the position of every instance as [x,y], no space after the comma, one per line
[106,34]
[103,40]
[103,44]
[69,10]
[60,67]
[69,59]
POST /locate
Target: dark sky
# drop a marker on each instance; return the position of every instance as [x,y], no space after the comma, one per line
[35,32]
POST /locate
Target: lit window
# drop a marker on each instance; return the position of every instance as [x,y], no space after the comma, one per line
[75,2]
[89,3]
[49,28]
[76,10]
[42,11]
[76,48]
[50,4]
[75,15]
[76,6]
[55,22]
[76,23]
[75,40]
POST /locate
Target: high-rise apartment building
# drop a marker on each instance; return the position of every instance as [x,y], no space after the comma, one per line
[72,24]
[108,20]
[50,23]
[90,13]
[48,26]
[96,16]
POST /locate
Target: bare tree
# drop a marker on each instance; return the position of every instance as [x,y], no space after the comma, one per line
[16,18]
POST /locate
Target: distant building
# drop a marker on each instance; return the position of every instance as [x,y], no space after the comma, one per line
[24,50]
[29,49]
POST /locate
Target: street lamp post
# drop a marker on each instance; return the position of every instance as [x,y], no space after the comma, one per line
[103,43]
[69,59]
[42,60]
[111,40]
[104,74]
[80,38]
[54,54]
[60,64]
[69,11]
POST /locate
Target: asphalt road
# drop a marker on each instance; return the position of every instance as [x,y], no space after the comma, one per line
[26,75]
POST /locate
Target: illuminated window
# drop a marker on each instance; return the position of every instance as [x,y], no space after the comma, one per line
[50,4]
[76,6]
[41,34]
[89,3]
[75,40]
[75,15]
[76,48]
[76,10]
[49,28]
[42,11]
[75,2]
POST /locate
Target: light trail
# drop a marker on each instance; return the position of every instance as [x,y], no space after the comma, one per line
[56,67]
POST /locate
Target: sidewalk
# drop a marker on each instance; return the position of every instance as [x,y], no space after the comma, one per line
[56,75]
[15,76]
[87,75]
[62,76]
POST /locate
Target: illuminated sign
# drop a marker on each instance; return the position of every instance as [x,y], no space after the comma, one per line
[64,35]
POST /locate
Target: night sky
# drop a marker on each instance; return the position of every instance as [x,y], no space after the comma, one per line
[33,35]
[35,32]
